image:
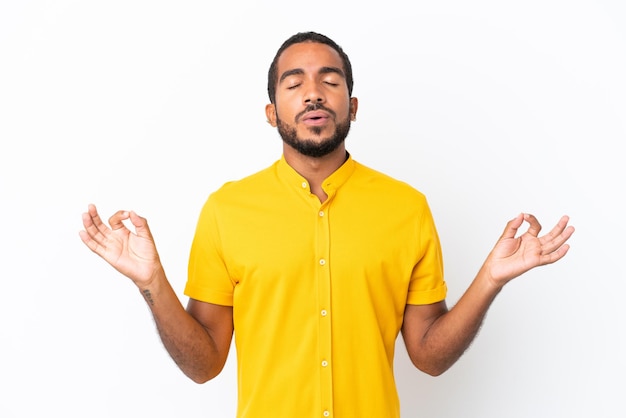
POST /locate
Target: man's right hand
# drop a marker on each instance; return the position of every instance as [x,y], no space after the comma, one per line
[132,254]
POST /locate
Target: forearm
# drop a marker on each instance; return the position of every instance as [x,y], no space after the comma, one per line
[189,344]
[190,338]
[435,337]
[450,334]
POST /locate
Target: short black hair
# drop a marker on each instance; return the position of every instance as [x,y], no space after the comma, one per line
[272,75]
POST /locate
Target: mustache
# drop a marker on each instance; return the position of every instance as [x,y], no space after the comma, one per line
[315,106]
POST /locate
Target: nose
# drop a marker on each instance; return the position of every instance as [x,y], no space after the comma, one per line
[313,94]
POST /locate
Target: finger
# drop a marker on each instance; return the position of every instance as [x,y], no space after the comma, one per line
[93,244]
[554,255]
[91,235]
[560,227]
[93,224]
[91,216]
[557,236]
[87,240]
[558,231]
[534,227]
[116,220]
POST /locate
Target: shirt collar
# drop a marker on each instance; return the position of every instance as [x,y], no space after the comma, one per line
[330,184]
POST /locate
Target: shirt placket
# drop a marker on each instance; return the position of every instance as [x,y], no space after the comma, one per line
[324,311]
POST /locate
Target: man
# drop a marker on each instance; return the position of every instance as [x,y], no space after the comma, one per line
[317,263]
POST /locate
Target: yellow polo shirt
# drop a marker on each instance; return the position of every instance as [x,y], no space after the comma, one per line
[318,289]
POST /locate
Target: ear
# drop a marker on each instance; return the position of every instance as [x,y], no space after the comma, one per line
[354,106]
[270,113]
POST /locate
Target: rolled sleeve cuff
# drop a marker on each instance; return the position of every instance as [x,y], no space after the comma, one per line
[421,297]
[208,295]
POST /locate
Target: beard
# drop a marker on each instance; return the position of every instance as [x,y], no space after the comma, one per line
[312,147]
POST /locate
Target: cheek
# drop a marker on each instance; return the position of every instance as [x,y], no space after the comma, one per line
[341,105]
[283,109]
[343,113]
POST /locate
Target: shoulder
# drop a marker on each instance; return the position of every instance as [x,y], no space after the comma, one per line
[382,183]
[249,186]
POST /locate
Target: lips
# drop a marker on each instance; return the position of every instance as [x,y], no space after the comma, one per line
[316,117]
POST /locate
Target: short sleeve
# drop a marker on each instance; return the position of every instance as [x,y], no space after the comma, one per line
[208,279]
[427,283]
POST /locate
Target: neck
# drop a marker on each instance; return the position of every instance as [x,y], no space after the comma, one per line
[315,169]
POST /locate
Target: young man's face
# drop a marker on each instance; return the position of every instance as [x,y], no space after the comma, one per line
[312,108]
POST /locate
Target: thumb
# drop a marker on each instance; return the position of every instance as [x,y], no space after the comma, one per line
[512,226]
[140,224]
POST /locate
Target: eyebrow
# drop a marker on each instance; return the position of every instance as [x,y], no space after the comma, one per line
[300,71]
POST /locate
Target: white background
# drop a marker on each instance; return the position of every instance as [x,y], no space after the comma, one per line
[489,107]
